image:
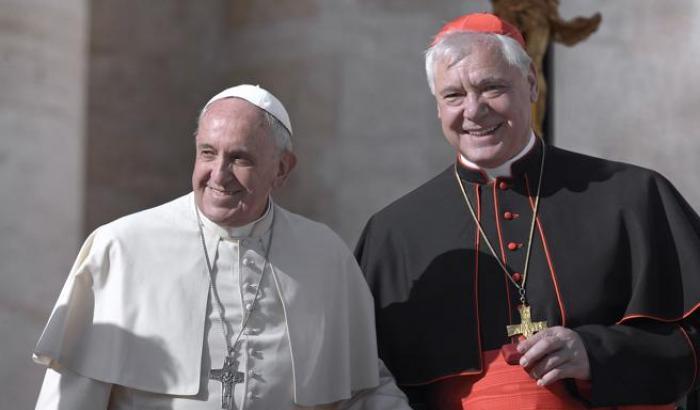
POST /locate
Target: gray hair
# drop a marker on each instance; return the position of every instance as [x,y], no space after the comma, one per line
[457,45]
[280,134]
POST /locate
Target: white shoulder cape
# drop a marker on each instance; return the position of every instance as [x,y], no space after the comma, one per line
[133,309]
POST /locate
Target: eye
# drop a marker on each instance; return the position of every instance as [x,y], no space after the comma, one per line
[243,161]
[494,90]
[207,153]
[453,98]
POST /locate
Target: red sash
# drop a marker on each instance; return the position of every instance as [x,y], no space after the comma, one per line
[505,387]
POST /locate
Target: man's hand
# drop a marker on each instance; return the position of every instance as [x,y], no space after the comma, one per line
[553,354]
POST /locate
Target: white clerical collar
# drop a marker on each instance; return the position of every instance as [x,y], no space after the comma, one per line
[502,170]
[254,229]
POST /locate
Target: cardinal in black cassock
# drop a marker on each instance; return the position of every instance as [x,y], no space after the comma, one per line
[607,250]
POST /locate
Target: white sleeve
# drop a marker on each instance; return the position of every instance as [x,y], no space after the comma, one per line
[386,396]
[63,390]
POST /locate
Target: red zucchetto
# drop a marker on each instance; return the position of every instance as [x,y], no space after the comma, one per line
[481,23]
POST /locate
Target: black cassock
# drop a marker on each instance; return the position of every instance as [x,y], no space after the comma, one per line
[615,256]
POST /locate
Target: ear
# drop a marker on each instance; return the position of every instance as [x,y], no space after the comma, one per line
[532,83]
[438,108]
[285,165]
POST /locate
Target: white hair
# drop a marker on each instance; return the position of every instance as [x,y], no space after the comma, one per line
[457,45]
[280,133]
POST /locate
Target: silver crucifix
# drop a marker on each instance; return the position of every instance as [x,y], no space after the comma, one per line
[228,375]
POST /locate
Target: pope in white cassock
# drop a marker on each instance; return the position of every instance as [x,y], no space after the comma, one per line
[219,298]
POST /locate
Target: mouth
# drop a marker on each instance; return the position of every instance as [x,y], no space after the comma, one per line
[221,192]
[481,132]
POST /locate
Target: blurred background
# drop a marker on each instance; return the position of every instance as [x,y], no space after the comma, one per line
[98,101]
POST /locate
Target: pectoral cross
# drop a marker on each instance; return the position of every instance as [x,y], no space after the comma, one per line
[228,375]
[526,327]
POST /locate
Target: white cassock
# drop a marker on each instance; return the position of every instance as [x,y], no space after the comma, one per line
[136,326]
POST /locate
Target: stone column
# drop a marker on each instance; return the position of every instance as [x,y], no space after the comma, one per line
[43,56]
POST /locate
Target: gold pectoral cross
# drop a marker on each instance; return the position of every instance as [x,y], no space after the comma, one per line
[526,327]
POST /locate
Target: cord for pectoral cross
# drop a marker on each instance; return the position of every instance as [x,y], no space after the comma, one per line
[523,308]
[224,375]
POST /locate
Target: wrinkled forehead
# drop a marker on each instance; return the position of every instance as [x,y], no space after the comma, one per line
[460,46]
[474,67]
[232,110]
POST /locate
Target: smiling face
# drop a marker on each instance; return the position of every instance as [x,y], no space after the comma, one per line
[237,164]
[484,104]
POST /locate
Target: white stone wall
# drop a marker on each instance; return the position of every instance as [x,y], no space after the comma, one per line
[350,73]
[631,91]
[42,83]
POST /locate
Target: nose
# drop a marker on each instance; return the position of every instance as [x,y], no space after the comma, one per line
[220,172]
[474,107]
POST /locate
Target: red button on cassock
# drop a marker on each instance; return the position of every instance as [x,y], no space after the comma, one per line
[517,277]
[503,185]
[508,215]
[513,246]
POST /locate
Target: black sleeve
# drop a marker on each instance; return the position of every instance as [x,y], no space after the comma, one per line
[642,362]
[651,355]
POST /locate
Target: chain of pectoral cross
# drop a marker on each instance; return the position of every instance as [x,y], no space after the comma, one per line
[526,327]
[229,375]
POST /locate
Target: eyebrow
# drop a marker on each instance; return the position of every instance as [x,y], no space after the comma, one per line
[492,80]
[205,145]
[449,89]
[240,152]
[481,83]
